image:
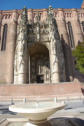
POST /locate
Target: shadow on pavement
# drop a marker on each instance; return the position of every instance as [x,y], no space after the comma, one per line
[66,122]
[6,111]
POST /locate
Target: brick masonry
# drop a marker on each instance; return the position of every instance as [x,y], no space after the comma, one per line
[34,91]
[62,16]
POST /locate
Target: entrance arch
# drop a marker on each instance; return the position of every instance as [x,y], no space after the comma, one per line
[39,64]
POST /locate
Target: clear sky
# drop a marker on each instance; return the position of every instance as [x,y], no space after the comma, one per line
[37,4]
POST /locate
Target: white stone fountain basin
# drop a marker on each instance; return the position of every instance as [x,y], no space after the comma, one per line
[37,111]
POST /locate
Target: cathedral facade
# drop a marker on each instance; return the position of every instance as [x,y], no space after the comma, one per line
[36,44]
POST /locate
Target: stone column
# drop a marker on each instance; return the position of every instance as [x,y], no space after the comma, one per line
[57,66]
[29,70]
[30,16]
[78,36]
[10,48]
[61,22]
[54,66]
[21,53]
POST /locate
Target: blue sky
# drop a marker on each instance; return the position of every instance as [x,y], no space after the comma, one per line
[37,4]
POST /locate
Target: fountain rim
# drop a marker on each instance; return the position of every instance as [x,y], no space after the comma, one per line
[36,110]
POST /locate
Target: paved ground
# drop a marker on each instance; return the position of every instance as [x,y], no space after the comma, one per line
[72,115]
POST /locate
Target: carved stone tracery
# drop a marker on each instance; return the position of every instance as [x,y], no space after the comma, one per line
[40,66]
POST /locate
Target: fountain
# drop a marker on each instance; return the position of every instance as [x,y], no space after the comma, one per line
[37,112]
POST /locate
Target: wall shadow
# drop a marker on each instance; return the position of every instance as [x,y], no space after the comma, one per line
[71,72]
[68,60]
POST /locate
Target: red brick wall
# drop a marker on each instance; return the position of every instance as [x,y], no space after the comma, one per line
[51,90]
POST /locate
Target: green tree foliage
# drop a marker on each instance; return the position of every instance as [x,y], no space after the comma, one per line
[78,53]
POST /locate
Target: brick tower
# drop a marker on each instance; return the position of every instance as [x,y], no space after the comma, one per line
[82,6]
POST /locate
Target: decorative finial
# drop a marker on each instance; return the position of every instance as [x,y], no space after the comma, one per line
[24,15]
[50,11]
[25,7]
[50,6]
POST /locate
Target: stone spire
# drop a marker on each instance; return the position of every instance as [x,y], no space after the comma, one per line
[24,16]
[82,6]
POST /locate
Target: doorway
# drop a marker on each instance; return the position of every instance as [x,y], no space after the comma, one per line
[40,78]
[39,64]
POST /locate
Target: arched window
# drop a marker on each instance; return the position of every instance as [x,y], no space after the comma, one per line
[83,26]
[4,37]
[70,33]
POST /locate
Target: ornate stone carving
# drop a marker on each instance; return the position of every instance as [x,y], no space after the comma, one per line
[39,32]
[20,65]
[56,53]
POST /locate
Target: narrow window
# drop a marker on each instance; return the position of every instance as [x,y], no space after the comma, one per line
[4,37]
[70,33]
[83,26]
[0,31]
